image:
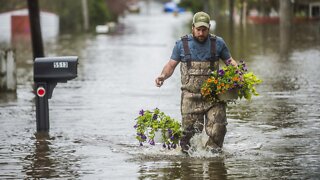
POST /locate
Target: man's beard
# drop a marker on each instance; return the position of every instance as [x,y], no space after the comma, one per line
[200,39]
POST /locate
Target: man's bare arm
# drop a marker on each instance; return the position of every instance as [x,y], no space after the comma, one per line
[167,71]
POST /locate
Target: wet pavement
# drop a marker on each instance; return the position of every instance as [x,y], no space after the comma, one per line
[276,136]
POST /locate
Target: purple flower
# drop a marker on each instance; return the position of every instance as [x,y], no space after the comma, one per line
[172,138]
[164,145]
[141,144]
[141,112]
[245,68]
[151,142]
[174,146]
[135,126]
[144,137]
[241,61]
[228,62]
[169,131]
[221,72]
[155,116]
[237,71]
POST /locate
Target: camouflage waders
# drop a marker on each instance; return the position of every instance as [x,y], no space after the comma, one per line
[195,109]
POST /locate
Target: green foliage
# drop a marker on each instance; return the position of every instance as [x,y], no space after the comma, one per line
[248,89]
[193,5]
[148,123]
[12,5]
[69,12]
[98,12]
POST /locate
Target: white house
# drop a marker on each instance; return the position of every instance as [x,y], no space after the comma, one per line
[49,24]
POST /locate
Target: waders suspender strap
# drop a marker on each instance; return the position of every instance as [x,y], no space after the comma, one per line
[187,54]
[213,53]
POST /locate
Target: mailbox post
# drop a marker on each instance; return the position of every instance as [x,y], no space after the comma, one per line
[48,71]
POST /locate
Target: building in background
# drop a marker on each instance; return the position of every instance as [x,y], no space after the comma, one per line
[302,11]
[15,25]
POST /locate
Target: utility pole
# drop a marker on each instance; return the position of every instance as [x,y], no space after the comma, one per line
[36,37]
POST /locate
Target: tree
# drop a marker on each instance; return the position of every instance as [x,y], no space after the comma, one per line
[192,5]
[69,12]
[99,12]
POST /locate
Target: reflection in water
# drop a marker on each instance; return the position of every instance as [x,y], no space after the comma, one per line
[41,163]
[184,169]
[44,162]
[284,41]
[7,97]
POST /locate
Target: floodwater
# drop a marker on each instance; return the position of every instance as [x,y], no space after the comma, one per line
[275,136]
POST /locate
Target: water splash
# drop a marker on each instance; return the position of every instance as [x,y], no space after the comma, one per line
[198,147]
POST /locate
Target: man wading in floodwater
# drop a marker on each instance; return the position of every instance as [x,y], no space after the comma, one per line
[199,54]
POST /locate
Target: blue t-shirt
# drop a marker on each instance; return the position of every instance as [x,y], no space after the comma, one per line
[200,51]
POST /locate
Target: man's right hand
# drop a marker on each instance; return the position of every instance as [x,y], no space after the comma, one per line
[159,80]
[166,72]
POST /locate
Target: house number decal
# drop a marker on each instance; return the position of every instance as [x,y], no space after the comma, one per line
[60,64]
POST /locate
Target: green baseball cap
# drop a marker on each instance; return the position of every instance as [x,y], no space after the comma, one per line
[201,19]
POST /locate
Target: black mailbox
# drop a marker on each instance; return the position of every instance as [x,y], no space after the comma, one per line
[55,69]
[48,72]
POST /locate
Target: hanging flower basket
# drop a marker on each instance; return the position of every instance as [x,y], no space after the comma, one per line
[229,95]
[230,83]
[156,125]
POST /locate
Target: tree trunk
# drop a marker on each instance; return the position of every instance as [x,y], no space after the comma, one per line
[215,7]
[231,7]
[206,6]
[85,15]
[243,11]
[285,26]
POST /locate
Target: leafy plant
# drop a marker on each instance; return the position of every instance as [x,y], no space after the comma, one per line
[228,78]
[150,122]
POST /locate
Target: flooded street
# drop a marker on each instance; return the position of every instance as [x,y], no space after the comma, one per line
[276,136]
